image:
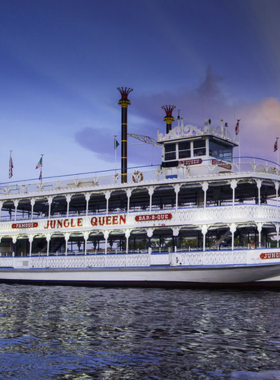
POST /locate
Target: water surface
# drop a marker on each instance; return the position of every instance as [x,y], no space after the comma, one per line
[98,333]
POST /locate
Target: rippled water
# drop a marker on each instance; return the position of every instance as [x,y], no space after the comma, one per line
[98,333]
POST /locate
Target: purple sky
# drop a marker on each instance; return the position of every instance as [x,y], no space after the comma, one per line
[61,62]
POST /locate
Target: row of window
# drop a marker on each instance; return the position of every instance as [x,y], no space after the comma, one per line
[177,151]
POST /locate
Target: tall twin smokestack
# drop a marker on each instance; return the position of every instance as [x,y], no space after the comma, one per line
[124,102]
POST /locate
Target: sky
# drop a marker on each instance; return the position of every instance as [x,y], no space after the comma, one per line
[61,62]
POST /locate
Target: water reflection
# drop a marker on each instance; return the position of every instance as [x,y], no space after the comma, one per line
[86,333]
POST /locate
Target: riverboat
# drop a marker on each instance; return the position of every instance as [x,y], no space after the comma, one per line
[200,218]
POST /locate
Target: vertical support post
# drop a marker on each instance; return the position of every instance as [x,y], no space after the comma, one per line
[32,203]
[175,234]
[66,236]
[30,238]
[204,230]
[128,194]
[50,205]
[259,185]
[127,234]
[48,238]
[107,196]
[14,239]
[233,185]
[232,230]
[86,235]
[16,206]
[276,184]
[176,189]
[87,197]
[106,235]
[150,232]
[260,233]
[205,186]
[277,234]
[151,192]
[68,200]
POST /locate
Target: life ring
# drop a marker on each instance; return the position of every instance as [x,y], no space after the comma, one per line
[137,176]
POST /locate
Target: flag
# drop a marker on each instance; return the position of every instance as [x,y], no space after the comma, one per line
[11,165]
[40,163]
[237,127]
[276,145]
[40,176]
[116,144]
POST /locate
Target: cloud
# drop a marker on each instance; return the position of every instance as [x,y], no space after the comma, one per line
[260,125]
[99,141]
[210,86]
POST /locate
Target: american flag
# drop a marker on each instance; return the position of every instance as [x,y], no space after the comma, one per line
[11,165]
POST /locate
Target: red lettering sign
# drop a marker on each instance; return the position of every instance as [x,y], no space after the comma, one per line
[64,223]
[147,217]
[270,255]
[25,225]
[73,223]
[221,164]
[108,220]
[195,161]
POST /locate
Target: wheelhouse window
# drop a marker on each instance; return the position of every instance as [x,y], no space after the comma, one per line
[220,150]
[184,149]
[170,152]
[199,148]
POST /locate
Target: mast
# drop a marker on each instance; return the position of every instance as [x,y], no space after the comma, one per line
[124,102]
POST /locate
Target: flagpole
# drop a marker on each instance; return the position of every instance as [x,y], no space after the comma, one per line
[239,154]
[10,166]
[237,132]
[42,169]
[115,153]
[277,154]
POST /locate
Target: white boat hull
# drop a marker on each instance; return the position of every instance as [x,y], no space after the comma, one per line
[146,276]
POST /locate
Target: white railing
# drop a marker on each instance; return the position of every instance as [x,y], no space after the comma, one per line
[184,216]
[192,258]
[96,180]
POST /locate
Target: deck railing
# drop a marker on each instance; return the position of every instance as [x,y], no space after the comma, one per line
[209,258]
[112,178]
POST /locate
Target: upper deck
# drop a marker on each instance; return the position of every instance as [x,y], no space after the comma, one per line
[200,171]
[189,155]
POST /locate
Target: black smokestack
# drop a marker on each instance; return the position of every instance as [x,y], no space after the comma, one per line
[124,102]
[168,118]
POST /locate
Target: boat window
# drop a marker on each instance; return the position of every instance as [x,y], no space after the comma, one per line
[199,148]
[220,150]
[170,152]
[184,149]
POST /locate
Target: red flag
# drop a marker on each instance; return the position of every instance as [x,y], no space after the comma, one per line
[276,145]
[237,127]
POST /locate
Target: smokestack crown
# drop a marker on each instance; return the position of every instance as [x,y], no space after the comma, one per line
[168,110]
[124,91]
